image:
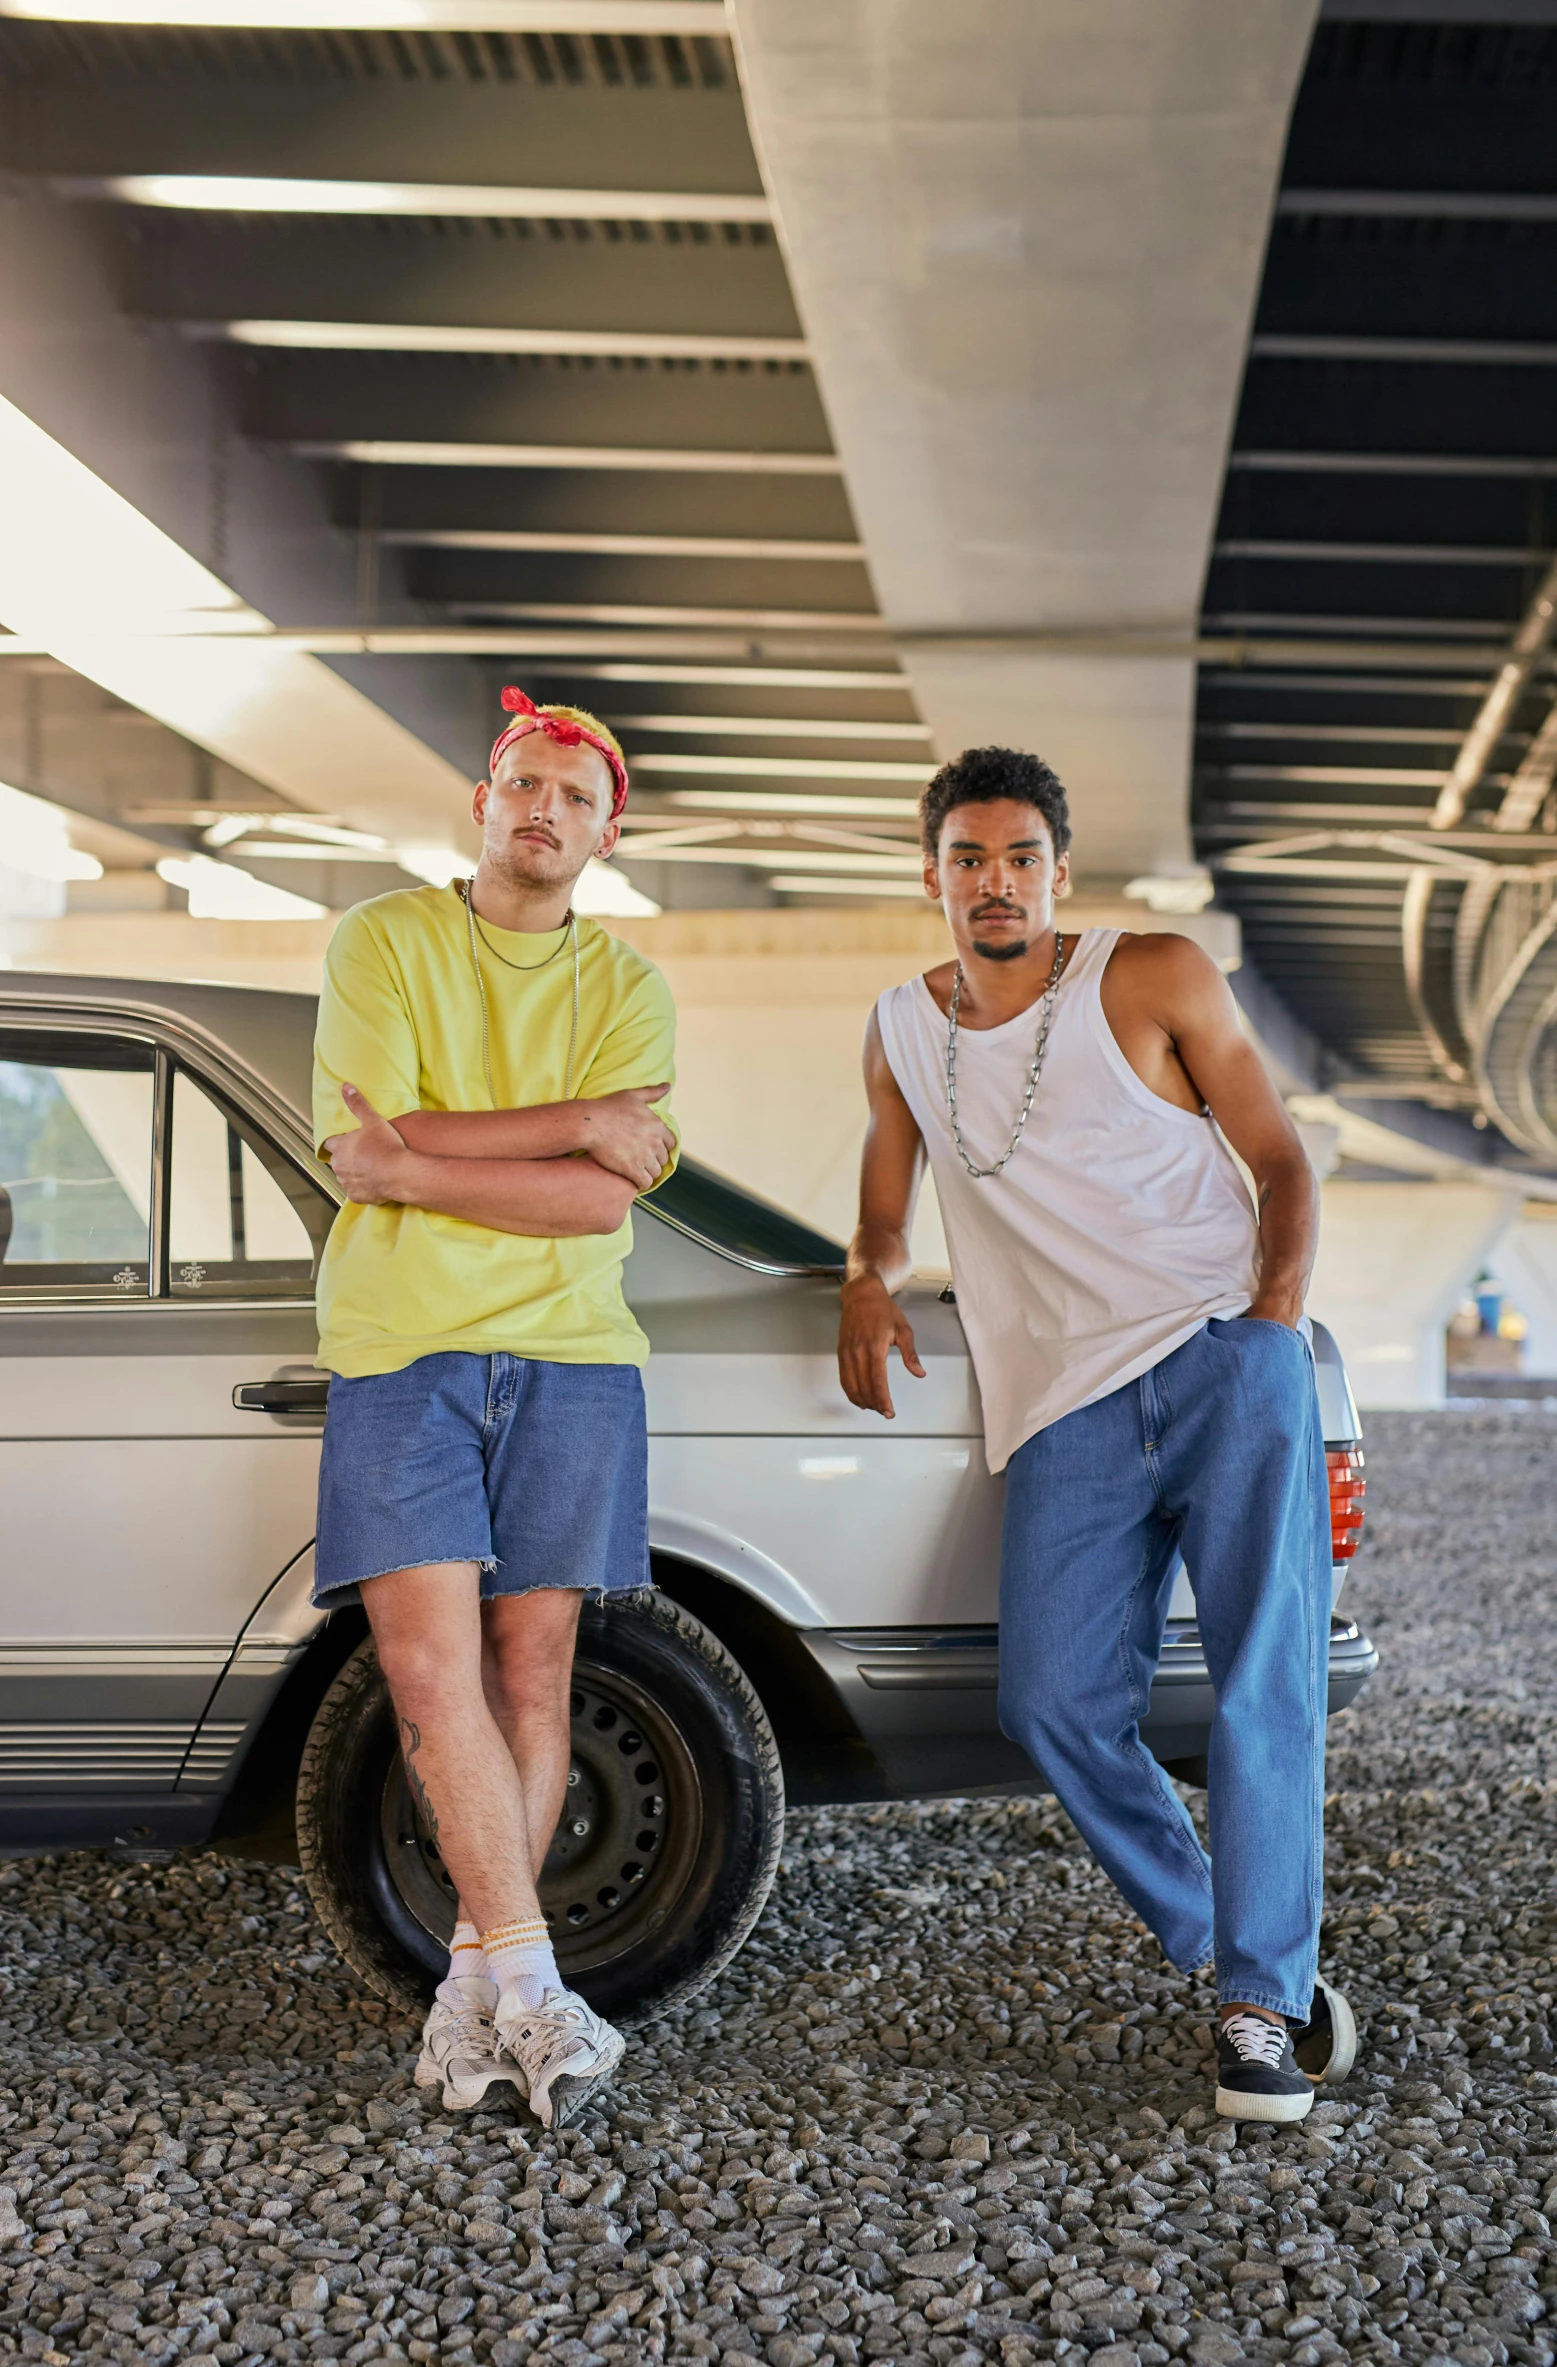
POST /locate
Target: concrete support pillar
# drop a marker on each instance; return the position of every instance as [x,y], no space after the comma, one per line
[1394,1261]
[1525,1263]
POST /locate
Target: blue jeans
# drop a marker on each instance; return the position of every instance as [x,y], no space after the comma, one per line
[537,1472]
[1217,1455]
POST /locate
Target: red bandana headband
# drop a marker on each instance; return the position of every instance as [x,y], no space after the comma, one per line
[565,732]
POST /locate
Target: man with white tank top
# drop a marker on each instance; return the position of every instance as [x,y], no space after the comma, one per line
[1137,1330]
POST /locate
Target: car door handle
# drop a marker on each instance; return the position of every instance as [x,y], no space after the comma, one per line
[308,1396]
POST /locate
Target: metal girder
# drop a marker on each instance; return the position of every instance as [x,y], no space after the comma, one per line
[629,138]
[598,501]
[1528,466]
[1483,352]
[1421,205]
[1441,12]
[626,546]
[576,588]
[217,267]
[692,20]
[345,399]
[1377,554]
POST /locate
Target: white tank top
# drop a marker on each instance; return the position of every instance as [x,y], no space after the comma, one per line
[1119,1228]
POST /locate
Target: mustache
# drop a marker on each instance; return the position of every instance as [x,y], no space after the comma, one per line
[995,904]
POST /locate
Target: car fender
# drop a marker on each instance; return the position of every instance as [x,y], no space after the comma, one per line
[721,1555]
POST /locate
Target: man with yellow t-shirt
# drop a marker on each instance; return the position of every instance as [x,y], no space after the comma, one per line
[490,1077]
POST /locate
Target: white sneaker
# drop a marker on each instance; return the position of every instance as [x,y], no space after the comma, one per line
[564,2051]
[459,2047]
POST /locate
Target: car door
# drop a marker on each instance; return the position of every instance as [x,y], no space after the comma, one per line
[158,1243]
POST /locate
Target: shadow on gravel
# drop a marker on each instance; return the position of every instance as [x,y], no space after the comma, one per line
[948,2103]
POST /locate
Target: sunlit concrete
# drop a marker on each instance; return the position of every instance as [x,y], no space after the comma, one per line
[1394,1261]
[1525,1263]
[130,499]
[1025,239]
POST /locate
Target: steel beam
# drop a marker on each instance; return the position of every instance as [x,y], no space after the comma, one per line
[1420,205]
[685,20]
[1380,554]
[1396,464]
[190,268]
[384,452]
[1488,352]
[585,146]
[319,400]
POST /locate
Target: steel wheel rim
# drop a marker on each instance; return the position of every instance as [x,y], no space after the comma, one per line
[632,1784]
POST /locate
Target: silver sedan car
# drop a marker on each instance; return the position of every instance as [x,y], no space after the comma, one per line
[824,1623]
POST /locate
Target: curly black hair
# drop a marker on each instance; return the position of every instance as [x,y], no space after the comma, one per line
[981,775]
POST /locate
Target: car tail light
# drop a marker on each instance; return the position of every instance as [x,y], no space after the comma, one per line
[1348,1486]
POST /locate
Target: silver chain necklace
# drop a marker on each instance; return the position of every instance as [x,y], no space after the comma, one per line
[1045,1022]
[462,889]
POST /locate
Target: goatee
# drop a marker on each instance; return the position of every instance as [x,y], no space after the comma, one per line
[1000,953]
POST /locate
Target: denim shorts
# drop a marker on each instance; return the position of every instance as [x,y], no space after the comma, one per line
[538,1472]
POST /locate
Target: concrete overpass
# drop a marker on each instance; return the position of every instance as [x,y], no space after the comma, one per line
[817,389]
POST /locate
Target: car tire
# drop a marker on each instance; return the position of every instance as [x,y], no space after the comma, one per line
[666,1850]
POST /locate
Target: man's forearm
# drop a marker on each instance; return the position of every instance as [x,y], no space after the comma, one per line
[553,1130]
[1289,1233]
[879,1253]
[544,1198]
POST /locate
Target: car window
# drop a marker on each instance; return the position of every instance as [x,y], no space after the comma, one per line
[713,1209]
[75,1163]
[243,1221]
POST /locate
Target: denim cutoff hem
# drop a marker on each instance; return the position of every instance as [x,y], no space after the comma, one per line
[536,1472]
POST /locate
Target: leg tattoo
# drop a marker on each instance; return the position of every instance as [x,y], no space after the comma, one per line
[410,1744]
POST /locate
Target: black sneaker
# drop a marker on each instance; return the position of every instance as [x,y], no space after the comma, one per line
[1257,2076]
[1326,2046]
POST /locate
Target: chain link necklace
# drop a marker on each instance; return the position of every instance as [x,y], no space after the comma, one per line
[1035,1070]
[569,937]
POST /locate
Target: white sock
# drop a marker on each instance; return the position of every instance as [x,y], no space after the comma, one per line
[467,1962]
[520,1959]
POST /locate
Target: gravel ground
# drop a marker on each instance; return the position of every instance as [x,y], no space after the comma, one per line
[948,2104]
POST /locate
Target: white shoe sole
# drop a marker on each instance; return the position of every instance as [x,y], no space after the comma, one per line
[465,2099]
[567,2094]
[1343,2030]
[1233,2106]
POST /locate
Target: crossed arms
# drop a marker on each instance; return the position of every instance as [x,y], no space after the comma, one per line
[558,1171]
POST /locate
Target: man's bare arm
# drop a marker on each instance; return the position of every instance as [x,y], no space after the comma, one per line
[546,1198]
[879,1261]
[620,1131]
[1226,1070]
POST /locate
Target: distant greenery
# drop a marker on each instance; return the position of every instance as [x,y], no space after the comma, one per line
[68,1207]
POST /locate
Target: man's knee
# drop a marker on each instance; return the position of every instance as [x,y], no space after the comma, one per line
[425,1684]
[529,1643]
[1047,1720]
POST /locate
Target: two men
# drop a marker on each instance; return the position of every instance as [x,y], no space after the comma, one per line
[490,1082]
[1147,1388]
[1146,1382]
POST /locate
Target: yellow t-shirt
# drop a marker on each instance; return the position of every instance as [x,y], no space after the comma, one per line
[400,1017]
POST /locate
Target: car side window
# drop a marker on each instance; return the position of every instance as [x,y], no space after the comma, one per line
[243,1221]
[75,1163]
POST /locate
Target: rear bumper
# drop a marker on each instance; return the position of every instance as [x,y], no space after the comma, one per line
[923,1705]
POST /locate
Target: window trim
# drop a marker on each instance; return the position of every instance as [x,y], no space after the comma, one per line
[172,1041]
